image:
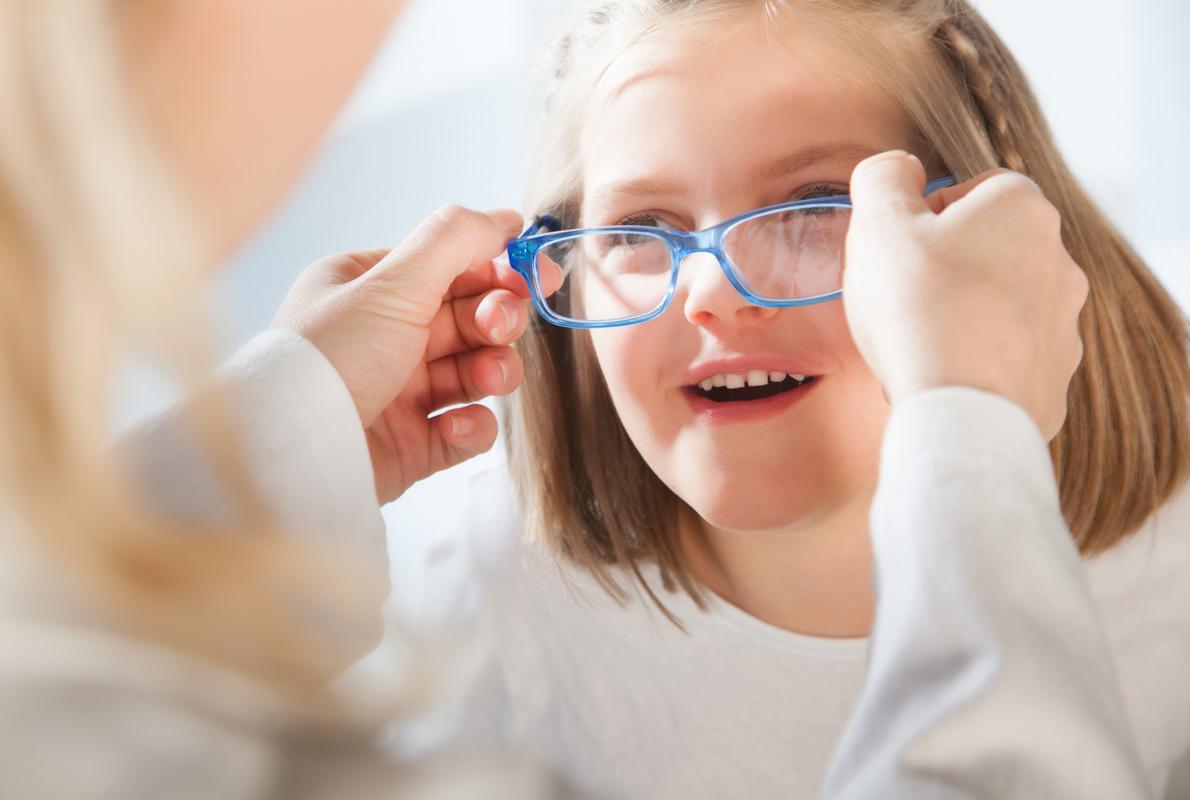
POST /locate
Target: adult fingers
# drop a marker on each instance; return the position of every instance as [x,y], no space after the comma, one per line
[460,434]
[443,247]
[494,274]
[468,377]
[549,274]
[495,318]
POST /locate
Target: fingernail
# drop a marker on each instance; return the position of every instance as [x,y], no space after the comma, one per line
[502,329]
[891,154]
[505,372]
[461,426]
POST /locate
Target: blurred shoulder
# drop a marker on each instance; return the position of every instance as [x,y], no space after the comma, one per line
[1153,560]
[93,714]
[1142,591]
[83,708]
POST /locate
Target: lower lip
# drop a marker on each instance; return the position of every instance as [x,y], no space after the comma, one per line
[714,413]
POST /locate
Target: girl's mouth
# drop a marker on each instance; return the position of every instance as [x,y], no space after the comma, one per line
[752,385]
[739,397]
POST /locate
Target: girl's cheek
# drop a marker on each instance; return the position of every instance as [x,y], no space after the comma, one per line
[621,353]
[828,323]
[636,363]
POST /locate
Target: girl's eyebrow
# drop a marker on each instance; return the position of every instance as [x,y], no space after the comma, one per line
[849,153]
[606,194]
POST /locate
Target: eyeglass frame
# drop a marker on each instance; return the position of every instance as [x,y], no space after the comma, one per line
[523,250]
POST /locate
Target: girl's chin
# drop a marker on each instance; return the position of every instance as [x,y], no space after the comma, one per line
[759,517]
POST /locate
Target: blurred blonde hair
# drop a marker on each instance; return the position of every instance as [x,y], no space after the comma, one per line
[587,492]
[100,256]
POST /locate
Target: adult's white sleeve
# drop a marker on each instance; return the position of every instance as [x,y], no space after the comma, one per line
[301,436]
[989,673]
[89,712]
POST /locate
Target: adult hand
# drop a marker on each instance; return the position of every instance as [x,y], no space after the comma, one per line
[415,329]
[970,286]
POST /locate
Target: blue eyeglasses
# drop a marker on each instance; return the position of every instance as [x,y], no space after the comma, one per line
[779,256]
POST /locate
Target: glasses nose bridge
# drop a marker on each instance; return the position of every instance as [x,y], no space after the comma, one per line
[704,241]
[709,241]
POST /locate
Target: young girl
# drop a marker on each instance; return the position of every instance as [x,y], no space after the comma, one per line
[702,479]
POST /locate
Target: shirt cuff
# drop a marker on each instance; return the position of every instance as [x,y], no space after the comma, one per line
[959,422]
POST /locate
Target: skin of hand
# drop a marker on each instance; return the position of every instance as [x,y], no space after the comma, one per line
[415,329]
[970,286]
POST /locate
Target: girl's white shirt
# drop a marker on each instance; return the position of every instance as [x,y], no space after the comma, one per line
[1006,665]
[991,677]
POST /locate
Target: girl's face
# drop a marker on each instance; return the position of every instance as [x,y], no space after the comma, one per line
[686,129]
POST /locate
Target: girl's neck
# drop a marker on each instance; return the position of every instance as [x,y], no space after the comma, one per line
[813,579]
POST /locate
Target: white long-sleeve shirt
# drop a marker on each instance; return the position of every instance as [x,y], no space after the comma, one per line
[88,712]
[990,674]
[970,540]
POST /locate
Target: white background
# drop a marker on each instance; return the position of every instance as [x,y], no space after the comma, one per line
[448,112]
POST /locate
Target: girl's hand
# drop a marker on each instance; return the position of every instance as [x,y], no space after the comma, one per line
[970,286]
[415,329]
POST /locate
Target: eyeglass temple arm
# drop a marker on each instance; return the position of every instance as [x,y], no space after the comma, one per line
[939,183]
[543,224]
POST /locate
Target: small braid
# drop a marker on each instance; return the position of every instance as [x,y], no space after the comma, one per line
[984,72]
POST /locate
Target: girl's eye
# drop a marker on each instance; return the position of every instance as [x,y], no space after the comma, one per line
[818,190]
[620,240]
[645,220]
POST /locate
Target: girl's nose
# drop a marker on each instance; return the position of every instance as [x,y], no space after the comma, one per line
[707,296]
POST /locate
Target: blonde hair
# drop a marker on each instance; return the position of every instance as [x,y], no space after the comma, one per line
[588,493]
[100,255]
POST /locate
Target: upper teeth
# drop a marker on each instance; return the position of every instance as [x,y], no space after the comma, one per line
[755,377]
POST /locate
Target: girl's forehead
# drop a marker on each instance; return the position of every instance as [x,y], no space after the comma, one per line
[733,97]
[720,49]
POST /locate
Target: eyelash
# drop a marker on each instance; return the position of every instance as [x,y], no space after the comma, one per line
[823,189]
[647,220]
